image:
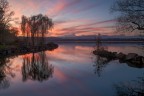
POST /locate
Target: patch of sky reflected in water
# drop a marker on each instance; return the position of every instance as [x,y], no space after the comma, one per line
[71,70]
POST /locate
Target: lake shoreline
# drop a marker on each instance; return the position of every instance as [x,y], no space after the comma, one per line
[26,49]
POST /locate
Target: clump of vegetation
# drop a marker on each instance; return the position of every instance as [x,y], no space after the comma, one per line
[35,28]
[131,15]
[7,32]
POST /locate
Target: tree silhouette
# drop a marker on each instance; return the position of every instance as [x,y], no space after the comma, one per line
[5,19]
[133,88]
[36,27]
[132,15]
[36,67]
[5,70]
[100,64]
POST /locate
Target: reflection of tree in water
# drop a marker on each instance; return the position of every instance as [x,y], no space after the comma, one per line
[36,67]
[133,88]
[5,70]
[100,62]
[103,57]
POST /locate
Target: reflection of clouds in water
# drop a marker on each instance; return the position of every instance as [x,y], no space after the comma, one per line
[59,74]
[34,67]
[127,49]
[73,73]
[71,54]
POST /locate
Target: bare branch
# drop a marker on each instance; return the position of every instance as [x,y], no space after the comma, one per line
[132,14]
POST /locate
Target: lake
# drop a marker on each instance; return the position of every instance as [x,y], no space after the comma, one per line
[70,70]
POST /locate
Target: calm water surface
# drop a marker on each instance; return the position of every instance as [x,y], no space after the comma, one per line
[70,70]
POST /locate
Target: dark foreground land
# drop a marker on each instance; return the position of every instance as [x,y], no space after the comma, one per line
[26,49]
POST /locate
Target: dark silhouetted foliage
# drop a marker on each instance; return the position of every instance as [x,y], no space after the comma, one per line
[36,27]
[132,15]
[6,31]
[36,67]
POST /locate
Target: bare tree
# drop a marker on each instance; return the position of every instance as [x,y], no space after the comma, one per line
[36,27]
[132,15]
[5,18]
[25,29]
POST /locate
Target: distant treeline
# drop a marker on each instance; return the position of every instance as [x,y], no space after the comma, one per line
[58,39]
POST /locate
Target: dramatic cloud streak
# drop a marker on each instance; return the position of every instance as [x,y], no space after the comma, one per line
[71,17]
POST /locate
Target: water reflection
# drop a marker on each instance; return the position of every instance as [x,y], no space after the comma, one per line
[132,88]
[103,57]
[36,67]
[100,64]
[5,71]
[72,74]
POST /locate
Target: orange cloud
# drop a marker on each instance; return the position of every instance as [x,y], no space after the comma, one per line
[85,27]
[61,6]
[57,10]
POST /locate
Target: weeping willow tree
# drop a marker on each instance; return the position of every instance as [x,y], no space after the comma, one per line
[36,27]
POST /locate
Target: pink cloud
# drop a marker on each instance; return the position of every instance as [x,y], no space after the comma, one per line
[83,29]
[60,75]
[61,7]
[57,8]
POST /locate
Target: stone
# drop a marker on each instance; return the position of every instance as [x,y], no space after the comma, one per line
[135,65]
[115,53]
[121,56]
[131,56]
[95,52]
[143,60]
[136,60]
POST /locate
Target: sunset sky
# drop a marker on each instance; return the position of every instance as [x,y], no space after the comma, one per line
[71,17]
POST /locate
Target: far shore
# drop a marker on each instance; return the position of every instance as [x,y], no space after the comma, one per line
[92,41]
